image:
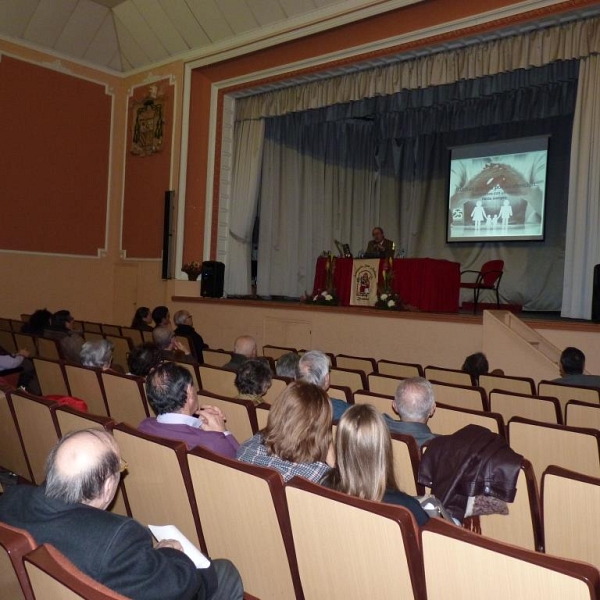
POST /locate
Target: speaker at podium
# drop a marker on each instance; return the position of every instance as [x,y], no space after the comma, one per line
[212,279]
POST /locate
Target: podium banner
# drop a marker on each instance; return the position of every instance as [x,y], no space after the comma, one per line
[365,273]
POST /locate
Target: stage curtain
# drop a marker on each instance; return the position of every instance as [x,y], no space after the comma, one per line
[248,140]
[562,42]
[582,251]
[335,172]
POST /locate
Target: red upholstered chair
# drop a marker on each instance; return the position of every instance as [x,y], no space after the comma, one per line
[487,279]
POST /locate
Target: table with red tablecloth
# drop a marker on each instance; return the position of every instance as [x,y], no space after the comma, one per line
[428,284]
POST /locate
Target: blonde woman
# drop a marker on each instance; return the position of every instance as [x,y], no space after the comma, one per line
[364,466]
[297,438]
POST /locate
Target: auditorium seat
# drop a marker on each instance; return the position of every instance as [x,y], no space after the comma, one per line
[108,329]
[85,383]
[383,384]
[12,452]
[68,419]
[218,381]
[135,335]
[262,415]
[407,456]
[505,383]
[244,518]
[352,378]
[536,408]
[564,393]
[5,324]
[461,564]
[123,346]
[147,337]
[543,444]
[452,376]
[48,348]
[92,327]
[352,548]
[582,414]
[278,384]
[571,515]
[449,419]
[240,414]
[216,358]
[276,351]
[14,544]
[92,336]
[399,369]
[54,577]
[7,341]
[157,482]
[345,361]
[382,402]
[186,344]
[461,396]
[341,392]
[193,370]
[125,397]
[51,376]
[26,341]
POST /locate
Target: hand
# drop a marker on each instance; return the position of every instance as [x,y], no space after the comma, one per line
[170,544]
[213,410]
[23,352]
[211,422]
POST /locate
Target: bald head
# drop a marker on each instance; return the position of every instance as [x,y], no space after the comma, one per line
[84,467]
[245,345]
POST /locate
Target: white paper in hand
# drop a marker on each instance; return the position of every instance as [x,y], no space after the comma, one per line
[170,532]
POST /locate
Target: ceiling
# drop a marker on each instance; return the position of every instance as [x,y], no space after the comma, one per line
[126,35]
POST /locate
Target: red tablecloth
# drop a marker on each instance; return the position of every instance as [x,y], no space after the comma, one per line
[427,283]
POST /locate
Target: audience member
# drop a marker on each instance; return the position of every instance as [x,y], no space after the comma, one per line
[476,365]
[142,319]
[68,511]
[287,365]
[415,404]
[70,341]
[253,380]
[38,322]
[161,316]
[572,367]
[172,397]
[364,462]
[297,438]
[313,367]
[164,338]
[20,363]
[243,349]
[144,359]
[185,326]
[97,353]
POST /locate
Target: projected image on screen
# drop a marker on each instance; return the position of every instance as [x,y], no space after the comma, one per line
[497,191]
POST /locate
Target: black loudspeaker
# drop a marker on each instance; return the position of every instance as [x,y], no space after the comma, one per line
[596,295]
[167,249]
[212,279]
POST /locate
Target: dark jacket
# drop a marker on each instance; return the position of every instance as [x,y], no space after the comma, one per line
[196,339]
[471,462]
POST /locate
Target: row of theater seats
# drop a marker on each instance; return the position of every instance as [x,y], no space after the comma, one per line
[301,540]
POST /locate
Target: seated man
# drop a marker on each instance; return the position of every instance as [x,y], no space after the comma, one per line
[70,340]
[243,349]
[171,349]
[572,367]
[172,397]
[313,367]
[68,511]
[161,316]
[185,326]
[379,247]
[415,404]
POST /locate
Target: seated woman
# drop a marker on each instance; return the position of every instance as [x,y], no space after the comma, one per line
[97,353]
[253,380]
[38,322]
[161,316]
[142,360]
[364,463]
[297,438]
[142,319]
[476,365]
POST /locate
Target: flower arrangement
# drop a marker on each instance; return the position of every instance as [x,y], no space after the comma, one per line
[192,269]
[328,296]
[386,298]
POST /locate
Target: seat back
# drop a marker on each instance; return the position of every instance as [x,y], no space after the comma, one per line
[54,577]
[135,335]
[12,451]
[381,402]
[352,548]
[48,348]
[452,376]
[14,544]
[537,408]
[398,369]
[582,414]
[262,415]
[407,456]
[449,419]
[216,358]
[522,526]
[218,381]
[244,517]
[51,376]
[68,419]
[240,414]
[5,324]
[125,398]
[157,482]
[278,384]
[92,327]
[38,431]
[571,517]
[187,346]
[27,341]
[123,346]
[516,385]
[147,337]
[193,369]
[474,566]
[341,392]
[276,351]
[543,444]
[7,341]
[85,383]
[491,272]
[366,365]
[92,336]
[461,396]
[352,378]
[564,393]
[111,329]
[383,384]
